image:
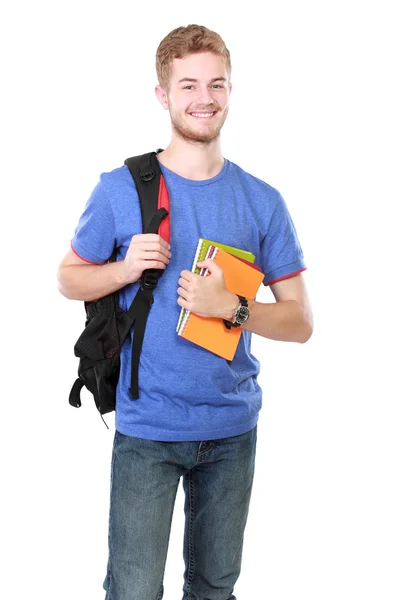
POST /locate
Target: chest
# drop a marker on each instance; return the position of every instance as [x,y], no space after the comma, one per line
[224,213]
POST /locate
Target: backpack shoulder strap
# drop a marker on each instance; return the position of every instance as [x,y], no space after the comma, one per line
[154,205]
[146,173]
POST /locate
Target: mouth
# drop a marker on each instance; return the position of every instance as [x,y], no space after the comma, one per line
[203,116]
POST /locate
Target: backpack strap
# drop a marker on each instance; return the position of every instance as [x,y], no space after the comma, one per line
[154,204]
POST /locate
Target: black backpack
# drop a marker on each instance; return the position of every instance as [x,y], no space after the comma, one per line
[107,325]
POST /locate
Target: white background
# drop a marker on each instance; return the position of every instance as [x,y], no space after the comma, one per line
[315,113]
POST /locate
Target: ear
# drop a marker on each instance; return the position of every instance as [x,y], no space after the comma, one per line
[162,97]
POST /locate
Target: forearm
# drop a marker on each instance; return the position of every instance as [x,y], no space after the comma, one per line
[286,321]
[90,282]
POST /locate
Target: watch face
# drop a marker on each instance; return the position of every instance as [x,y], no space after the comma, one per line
[242,315]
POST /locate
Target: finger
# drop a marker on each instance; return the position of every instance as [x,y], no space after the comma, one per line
[152,247]
[147,255]
[148,238]
[183,293]
[183,283]
[188,275]
[158,246]
[211,265]
[152,264]
[182,302]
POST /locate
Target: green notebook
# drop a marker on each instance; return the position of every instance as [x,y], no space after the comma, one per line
[200,254]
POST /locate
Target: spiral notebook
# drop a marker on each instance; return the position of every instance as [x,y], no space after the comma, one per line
[200,254]
[240,278]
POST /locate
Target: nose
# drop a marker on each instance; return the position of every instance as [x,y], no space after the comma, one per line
[205,96]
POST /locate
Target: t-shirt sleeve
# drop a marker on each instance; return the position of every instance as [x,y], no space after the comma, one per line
[281,252]
[95,237]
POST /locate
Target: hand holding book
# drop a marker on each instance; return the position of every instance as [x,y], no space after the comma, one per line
[233,276]
[206,296]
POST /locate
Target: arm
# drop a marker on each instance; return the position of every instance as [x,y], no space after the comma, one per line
[80,280]
[289,319]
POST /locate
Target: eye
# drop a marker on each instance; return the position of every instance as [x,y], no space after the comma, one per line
[187,87]
[217,85]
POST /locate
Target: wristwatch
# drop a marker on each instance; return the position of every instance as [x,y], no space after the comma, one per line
[240,315]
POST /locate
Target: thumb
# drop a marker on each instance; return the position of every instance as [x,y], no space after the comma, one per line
[206,263]
[209,264]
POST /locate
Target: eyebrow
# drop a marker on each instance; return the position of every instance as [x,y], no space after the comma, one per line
[196,80]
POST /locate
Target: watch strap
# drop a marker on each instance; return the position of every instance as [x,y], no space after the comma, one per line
[243,302]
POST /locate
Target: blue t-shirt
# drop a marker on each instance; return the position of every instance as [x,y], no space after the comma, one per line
[186,392]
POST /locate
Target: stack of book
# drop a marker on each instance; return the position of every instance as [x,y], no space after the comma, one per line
[241,276]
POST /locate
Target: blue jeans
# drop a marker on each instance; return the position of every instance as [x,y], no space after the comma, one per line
[217,482]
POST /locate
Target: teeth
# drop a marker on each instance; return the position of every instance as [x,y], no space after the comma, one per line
[202,115]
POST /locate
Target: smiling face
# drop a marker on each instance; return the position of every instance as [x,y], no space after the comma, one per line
[198,96]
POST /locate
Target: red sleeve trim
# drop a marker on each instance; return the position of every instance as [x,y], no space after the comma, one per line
[286,276]
[81,257]
[163,202]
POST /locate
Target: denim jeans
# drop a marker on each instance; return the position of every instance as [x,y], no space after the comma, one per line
[217,482]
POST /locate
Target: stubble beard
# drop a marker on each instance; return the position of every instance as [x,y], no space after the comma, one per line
[185,132]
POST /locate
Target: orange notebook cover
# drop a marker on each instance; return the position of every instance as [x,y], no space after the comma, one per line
[210,332]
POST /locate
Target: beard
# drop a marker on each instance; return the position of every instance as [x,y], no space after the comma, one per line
[202,133]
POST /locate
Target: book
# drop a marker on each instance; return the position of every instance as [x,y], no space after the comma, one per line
[210,332]
[209,254]
[200,255]
[204,244]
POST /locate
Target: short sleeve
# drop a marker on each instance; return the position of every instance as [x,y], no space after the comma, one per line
[95,237]
[281,252]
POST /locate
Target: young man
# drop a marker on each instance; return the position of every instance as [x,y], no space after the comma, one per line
[197,414]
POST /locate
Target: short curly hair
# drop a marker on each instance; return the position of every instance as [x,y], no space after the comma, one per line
[183,41]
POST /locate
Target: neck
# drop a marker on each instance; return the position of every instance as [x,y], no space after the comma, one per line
[193,160]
